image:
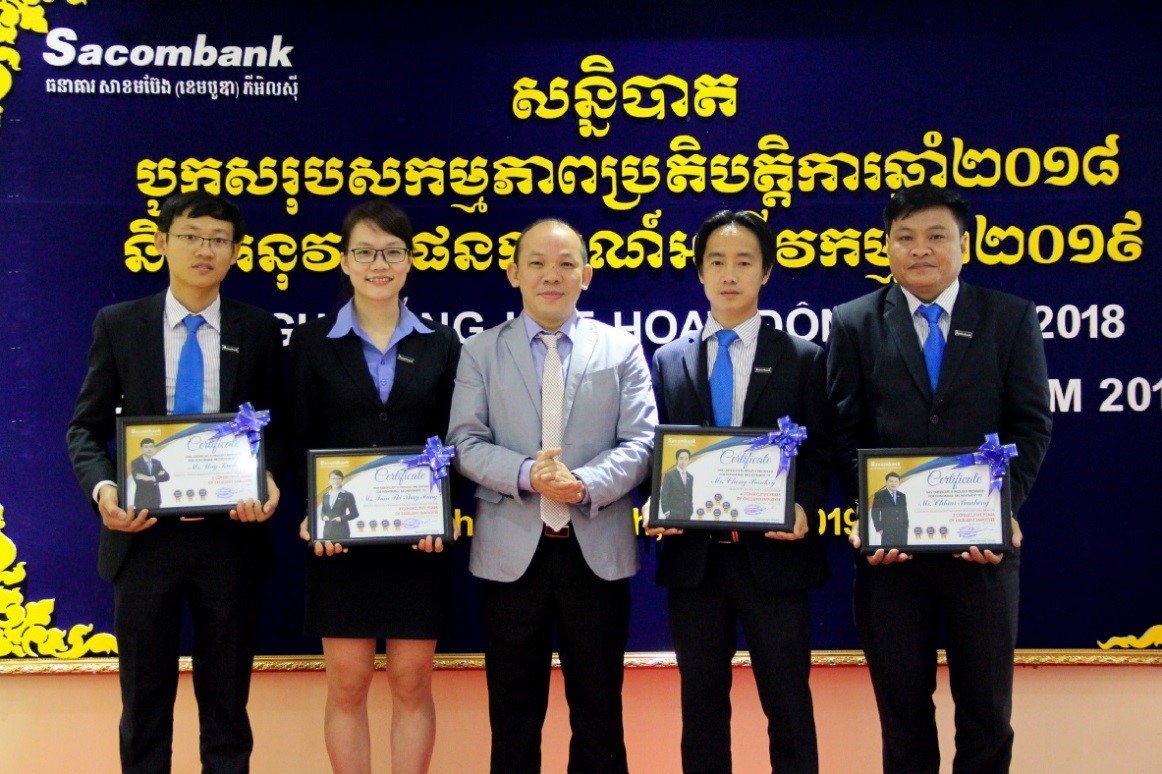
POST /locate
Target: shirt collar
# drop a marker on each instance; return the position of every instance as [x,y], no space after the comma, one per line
[568,329]
[175,312]
[945,299]
[747,330]
[346,322]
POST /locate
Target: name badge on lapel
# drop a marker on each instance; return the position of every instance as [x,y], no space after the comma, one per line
[762,369]
[406,359]
[230,348]
[965,334]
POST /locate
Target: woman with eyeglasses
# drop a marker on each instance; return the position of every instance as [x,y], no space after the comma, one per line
[374,374]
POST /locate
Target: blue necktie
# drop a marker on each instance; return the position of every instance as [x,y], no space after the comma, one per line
[934,344]
[722,379]
[187,397]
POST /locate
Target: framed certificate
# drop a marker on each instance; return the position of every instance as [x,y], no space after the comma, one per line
[936,500]
[187,465]
[376,496]
[721,478]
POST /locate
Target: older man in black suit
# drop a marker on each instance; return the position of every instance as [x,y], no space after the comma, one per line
[933,361]
[889,513]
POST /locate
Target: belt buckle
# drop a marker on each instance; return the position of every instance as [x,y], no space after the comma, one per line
[561,534]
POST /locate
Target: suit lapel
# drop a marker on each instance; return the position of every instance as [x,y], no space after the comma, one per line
[770,350]
[229,354]
[964,317]
[584,342]
[408,356]
[901,329]
[513,339]
[151,352]
[349,350]
[694,363]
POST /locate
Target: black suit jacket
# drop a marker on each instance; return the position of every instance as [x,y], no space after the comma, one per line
[336,405]
[337,513]
[677,500]
[147,494]
[127,369]
[891,517]
[992,380]
[788,379]
[343,506]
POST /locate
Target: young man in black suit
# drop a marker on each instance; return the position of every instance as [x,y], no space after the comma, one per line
[893,385]
[677,491]
[140,361]
[147,474]
[716,579]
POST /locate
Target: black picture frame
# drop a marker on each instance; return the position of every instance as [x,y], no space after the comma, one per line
[948,505]
[194,474]
[750,494]
[396,507]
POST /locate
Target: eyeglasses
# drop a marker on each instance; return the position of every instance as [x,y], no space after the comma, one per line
[368,255]
[193,241]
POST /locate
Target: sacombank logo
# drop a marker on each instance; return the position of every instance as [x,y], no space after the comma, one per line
[64,51]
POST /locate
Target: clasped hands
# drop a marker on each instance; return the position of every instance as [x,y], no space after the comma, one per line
[551,478]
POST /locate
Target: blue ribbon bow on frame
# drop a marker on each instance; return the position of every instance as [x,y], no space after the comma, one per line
[993,454]
[435,457]
[246,422]
[787,438]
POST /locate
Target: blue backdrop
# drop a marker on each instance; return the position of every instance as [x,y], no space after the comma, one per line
[633,123]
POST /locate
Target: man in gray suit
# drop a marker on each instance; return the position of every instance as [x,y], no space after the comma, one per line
[553,417]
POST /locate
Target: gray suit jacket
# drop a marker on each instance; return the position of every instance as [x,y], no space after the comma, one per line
[608,436]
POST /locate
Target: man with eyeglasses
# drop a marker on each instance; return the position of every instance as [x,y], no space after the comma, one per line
[187,350]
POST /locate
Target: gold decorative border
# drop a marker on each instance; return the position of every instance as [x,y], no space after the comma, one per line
[16,15]
[640,660]
[26,627]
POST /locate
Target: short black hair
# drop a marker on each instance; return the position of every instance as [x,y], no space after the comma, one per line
[383,214]
[535,223]
[148,440]
[680,452]
[747,220]
[199,204]
[923,196]
[893,474]
[338,473]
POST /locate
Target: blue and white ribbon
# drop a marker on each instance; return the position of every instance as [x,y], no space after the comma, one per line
[246,422]
[787,438]
[993,454]
[435,457]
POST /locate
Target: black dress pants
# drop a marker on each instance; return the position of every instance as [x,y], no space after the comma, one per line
[204,566]
[703,623]
[898,610]
[591,616]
